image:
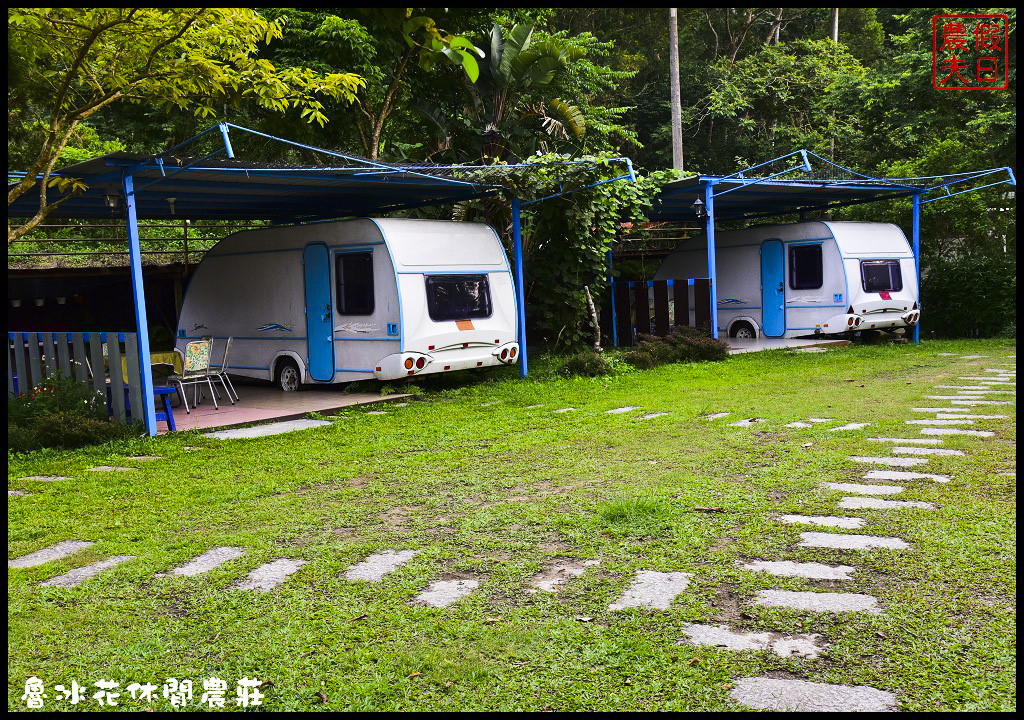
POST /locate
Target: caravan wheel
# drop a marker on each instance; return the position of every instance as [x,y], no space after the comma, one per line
[288,379]
[743,330]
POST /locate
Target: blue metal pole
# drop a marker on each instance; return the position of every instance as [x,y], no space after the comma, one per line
[227,140]
[517,241]
[917,262]
[709,203]
[141,324]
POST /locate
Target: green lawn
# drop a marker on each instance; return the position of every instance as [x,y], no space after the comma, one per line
[492,493]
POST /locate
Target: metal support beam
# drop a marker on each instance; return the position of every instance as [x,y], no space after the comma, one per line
[517,242]
[709,205]
[141,323]
[916,234]
[227,140]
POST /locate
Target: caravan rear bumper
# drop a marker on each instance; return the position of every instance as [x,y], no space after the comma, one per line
[870,321]
[412,363]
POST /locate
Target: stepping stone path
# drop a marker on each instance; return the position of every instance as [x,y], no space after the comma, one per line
[533,407]
[208,561]
[76,577]
[443,593]
[864,503]
[716,416]
[949,416]
[849,426]
[651,416]
[925,451]
[376,566]
[746,423]
[939,422]
[890,461]
[144,458]
[938,410]
[799,424]
[15,493]
[800,695]
[863,489]
[109,468]
[564,410]
[819,420]
[259,431]
[619,411]
[850,542]
[818,601]
[980,402]
[957,431]
[267,577]
[958,387]
[45,478]
[802,646]
[376,412]
[652,589]
[557,574]
[919,441]
[904,475]
[809,570]
[823,521]
[54,552]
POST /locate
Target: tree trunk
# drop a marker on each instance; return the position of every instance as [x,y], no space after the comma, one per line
[673,64]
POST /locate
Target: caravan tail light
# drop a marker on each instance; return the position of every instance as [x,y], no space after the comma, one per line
[421,363]
[504,354]
[512,353]
[855,324]
[849,321]
[408,363]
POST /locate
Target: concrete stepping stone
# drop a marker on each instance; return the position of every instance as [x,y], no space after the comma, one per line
[144,458]
[981,402]
[890,461]
[376,566]
[850,542]
[959,387]
[208,561]
[802,646]
[532,407]
[45,478]
[746,423]
[651,416]
[564,410]
[799,424]
[76,577]
[999,370]
[809,570]
[818,601]
[972,357]
[918,441]
[951,416]
[801,695]
[938,421]
[957,431]
[904,475]
[899,450]
[653,589]
[819,420]
[823,521]
[557,574]
[376,412]
[267,577]
[278,428]
[947,354]
[938,410]
[716,416]
[849,426]
[619,411]
[54,552]
[109,468]
[866,503]
[17,493]
[443,593]
[192,447]
[975,377]
[863,489]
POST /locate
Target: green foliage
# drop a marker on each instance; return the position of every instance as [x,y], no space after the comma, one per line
[970,296]
[587,364]
[683,344]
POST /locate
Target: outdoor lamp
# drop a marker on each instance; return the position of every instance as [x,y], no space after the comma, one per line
[111,201]
[698,208]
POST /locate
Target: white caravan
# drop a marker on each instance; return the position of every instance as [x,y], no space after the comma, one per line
[808,278]
[340,301]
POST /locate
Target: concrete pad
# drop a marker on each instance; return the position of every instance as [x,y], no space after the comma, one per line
[890,461]
[951,416]
[849,426]
[957,431]
[653,589]
[558,573]
[651,416]
[376,566]
[818,601]
[999,370]
[259,431]
[76,577]
[564,410]
[972,357]
[109,468]
[54,552]
[819,420]
[975,377]
[823,521]
[799,424]
[267,577]
[716,416]
[850,542]
[925,451]
[746,423]
[208,561]
[376,412]
[45,478]
[904,475]
[803,696]
[863,489]
[809,570]
[443,593]
[802,646]
[919,441]
[619,411]
[866,503]
[959,387]
[937,421]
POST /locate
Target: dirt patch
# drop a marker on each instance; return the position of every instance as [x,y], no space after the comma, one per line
[727,603]
[356,481]
[397,517]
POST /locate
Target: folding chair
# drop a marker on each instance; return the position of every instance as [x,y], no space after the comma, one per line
[196,372]
[222,374]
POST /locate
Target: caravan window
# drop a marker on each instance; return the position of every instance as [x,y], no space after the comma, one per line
[805,267]
[353,274]
[458,297]
[881,275]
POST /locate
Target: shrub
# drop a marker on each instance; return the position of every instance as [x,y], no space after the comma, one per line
[587,363]
[970,295]
[683,344]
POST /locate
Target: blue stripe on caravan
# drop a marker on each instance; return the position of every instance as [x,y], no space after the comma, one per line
[338,370]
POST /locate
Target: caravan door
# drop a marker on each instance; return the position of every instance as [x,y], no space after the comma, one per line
[316,264]
[773,288]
